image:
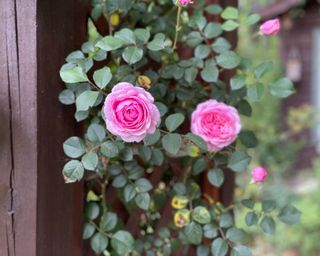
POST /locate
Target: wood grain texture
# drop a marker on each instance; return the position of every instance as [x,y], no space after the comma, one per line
[39,214]
[18,143]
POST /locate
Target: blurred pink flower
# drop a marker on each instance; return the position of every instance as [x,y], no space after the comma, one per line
[216,123]
[130,112]
[259,174]
[270,27]
[184,2]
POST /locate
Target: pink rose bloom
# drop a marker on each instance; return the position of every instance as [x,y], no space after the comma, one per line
[184,2]
[259,174]
[130,112]
[270,27]
[216,123]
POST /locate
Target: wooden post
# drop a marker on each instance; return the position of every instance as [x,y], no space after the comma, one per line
[39,214]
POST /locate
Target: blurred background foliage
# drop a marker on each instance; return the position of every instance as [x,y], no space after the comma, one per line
[285,181]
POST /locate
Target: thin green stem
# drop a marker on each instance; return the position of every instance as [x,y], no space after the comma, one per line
[104,199]
[178,27]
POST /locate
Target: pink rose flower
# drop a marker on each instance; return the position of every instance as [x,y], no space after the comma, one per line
[216,123]
[259,174]
[130,112]
[184,2]
[270,27]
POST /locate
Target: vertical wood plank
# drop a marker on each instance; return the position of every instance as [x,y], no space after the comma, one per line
[19,111]
[61,28]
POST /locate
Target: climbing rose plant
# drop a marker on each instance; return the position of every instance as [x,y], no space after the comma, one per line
[156,116]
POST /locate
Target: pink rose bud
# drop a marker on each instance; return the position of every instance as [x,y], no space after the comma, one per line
[270,27]
[216,123]
[259,174]
[184,2]
[130,112]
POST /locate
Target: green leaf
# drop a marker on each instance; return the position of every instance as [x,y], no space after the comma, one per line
[132,55]
[289,215]
[228,60]
[212,30]
[86,100]
[157,157]
[129,192]
[96,133]
[143,185]
[230,13]
[90,161]
[244,108]
[200,21]
[88,230]
[199,166]
[268,225]
[194,39]
[120,181]
[162,108]
[282,88]
[67,97]
[210,72]
[74,147]
[202,51]
[251,219]
[268,205]
[201,215]
[99,243]
[216,177]
[248,138]
[126,36]
[221,45]
[197,140]
[73,171]
[229,25]
[219,247]
[158,43]
[142,200]
[142,34]
[109,43]
[193,233]
[126,154]
[145,153]
[174,121]
[102,77]
[263,68]
[172,143]
[226,220]
[213,9]
[241,250]
[122,242]
[73,75]
[109,149]
[255,92]
[237,82]
[93,33]
[202,250]
[210,231]
[190,74]
[252,19]
[92,211]
[248,203]
[239,161]
[152,139]
[108,221]
[235,235]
